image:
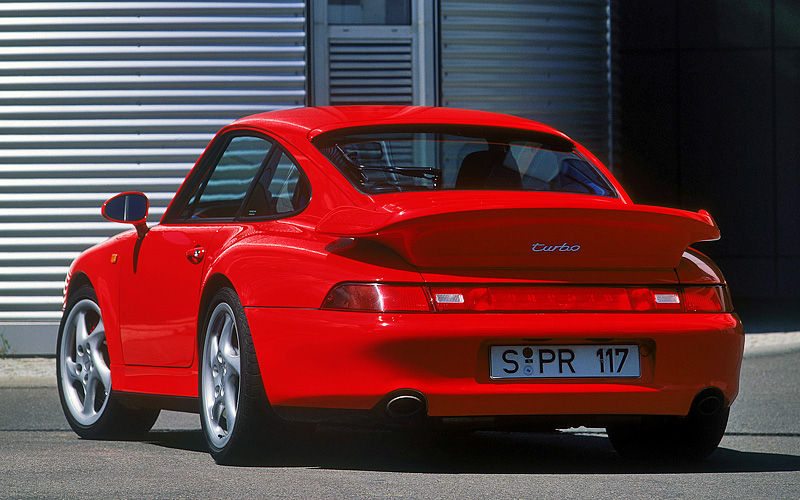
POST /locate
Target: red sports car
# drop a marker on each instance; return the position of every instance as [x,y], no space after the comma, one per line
[401,267]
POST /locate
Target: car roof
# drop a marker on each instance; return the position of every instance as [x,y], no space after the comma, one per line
[312,121]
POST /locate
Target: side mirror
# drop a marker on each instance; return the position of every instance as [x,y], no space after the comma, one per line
[130,208]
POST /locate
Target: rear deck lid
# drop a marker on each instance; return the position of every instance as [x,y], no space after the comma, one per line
[545,232]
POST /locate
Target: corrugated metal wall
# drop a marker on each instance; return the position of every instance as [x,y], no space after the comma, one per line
[375,72]
[547,60]
[101,97]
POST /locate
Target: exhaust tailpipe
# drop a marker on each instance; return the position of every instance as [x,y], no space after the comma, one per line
[708,402]
[406,406]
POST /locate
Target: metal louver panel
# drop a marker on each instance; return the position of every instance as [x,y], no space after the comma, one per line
[372,72]
[102,97]
[547,60]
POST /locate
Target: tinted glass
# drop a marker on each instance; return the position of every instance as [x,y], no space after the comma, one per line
[223,191]
[479,159]
[281,189]
[127,207]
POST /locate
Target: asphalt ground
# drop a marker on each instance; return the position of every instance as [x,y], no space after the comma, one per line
[759,457]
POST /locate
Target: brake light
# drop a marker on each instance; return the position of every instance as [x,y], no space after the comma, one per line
[707,299]
[526,298]
[375,297]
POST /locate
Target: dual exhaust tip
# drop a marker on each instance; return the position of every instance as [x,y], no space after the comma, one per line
[708,402]
[406,404]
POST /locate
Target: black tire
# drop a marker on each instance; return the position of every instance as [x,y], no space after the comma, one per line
[222,385]
[83,371]
[693,437]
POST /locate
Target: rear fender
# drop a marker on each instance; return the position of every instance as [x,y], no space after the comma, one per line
[280,264]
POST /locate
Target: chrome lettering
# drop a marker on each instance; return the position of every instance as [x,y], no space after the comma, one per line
[564,247]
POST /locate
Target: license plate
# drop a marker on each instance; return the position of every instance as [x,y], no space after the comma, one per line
[564,361]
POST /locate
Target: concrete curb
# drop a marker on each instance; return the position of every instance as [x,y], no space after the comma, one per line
[760,344]
[27,372]
[40,372]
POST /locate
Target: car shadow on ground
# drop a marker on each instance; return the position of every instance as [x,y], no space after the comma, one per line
[478,453]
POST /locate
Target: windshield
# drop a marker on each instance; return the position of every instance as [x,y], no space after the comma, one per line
[478,159]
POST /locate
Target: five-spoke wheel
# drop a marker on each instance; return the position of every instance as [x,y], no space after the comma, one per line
[84,375]
[221,374]
[234,410]
[84,365]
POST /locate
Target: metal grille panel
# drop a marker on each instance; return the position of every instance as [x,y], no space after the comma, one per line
[374,72]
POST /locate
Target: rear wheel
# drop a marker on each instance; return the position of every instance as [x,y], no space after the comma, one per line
[84,375]
[233,405]
[693,437]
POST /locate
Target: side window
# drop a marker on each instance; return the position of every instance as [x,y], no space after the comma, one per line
[222,193]
[281,189]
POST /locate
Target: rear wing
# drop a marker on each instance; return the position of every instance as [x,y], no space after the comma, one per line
[579,237]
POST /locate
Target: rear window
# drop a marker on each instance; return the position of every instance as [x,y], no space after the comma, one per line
[391,160]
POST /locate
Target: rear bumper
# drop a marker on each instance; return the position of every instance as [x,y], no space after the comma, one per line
[351,361]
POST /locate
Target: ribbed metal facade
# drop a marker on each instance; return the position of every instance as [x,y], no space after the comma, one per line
[101,97]
[546,60]
[374,72]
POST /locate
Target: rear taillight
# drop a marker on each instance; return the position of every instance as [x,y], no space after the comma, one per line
[537,298]
[377,298]
[706,299]
[523,298]
[554,298]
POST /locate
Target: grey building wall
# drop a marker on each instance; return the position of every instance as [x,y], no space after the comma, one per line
[102,97]
[546,60]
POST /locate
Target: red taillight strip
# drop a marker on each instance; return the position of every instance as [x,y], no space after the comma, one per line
[554,298]
[706,299]
[375,297]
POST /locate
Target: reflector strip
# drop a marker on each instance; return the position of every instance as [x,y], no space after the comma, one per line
[449,298]
[667,298]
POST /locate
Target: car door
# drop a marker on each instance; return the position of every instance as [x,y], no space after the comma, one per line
[160,292]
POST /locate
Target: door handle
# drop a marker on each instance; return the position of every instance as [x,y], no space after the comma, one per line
[196,254]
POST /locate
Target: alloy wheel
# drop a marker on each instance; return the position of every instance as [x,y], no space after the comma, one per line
[84,363]
[221,368]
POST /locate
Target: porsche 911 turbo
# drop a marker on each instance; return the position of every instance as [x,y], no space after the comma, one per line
[401,267]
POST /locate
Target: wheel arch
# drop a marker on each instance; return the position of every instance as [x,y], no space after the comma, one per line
[76,281]
[107,297]
[213,284]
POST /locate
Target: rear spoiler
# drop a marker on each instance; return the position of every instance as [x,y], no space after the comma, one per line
[585,237]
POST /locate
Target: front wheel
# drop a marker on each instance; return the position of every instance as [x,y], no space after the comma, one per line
[84,375]
[693,437]
[234,411]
